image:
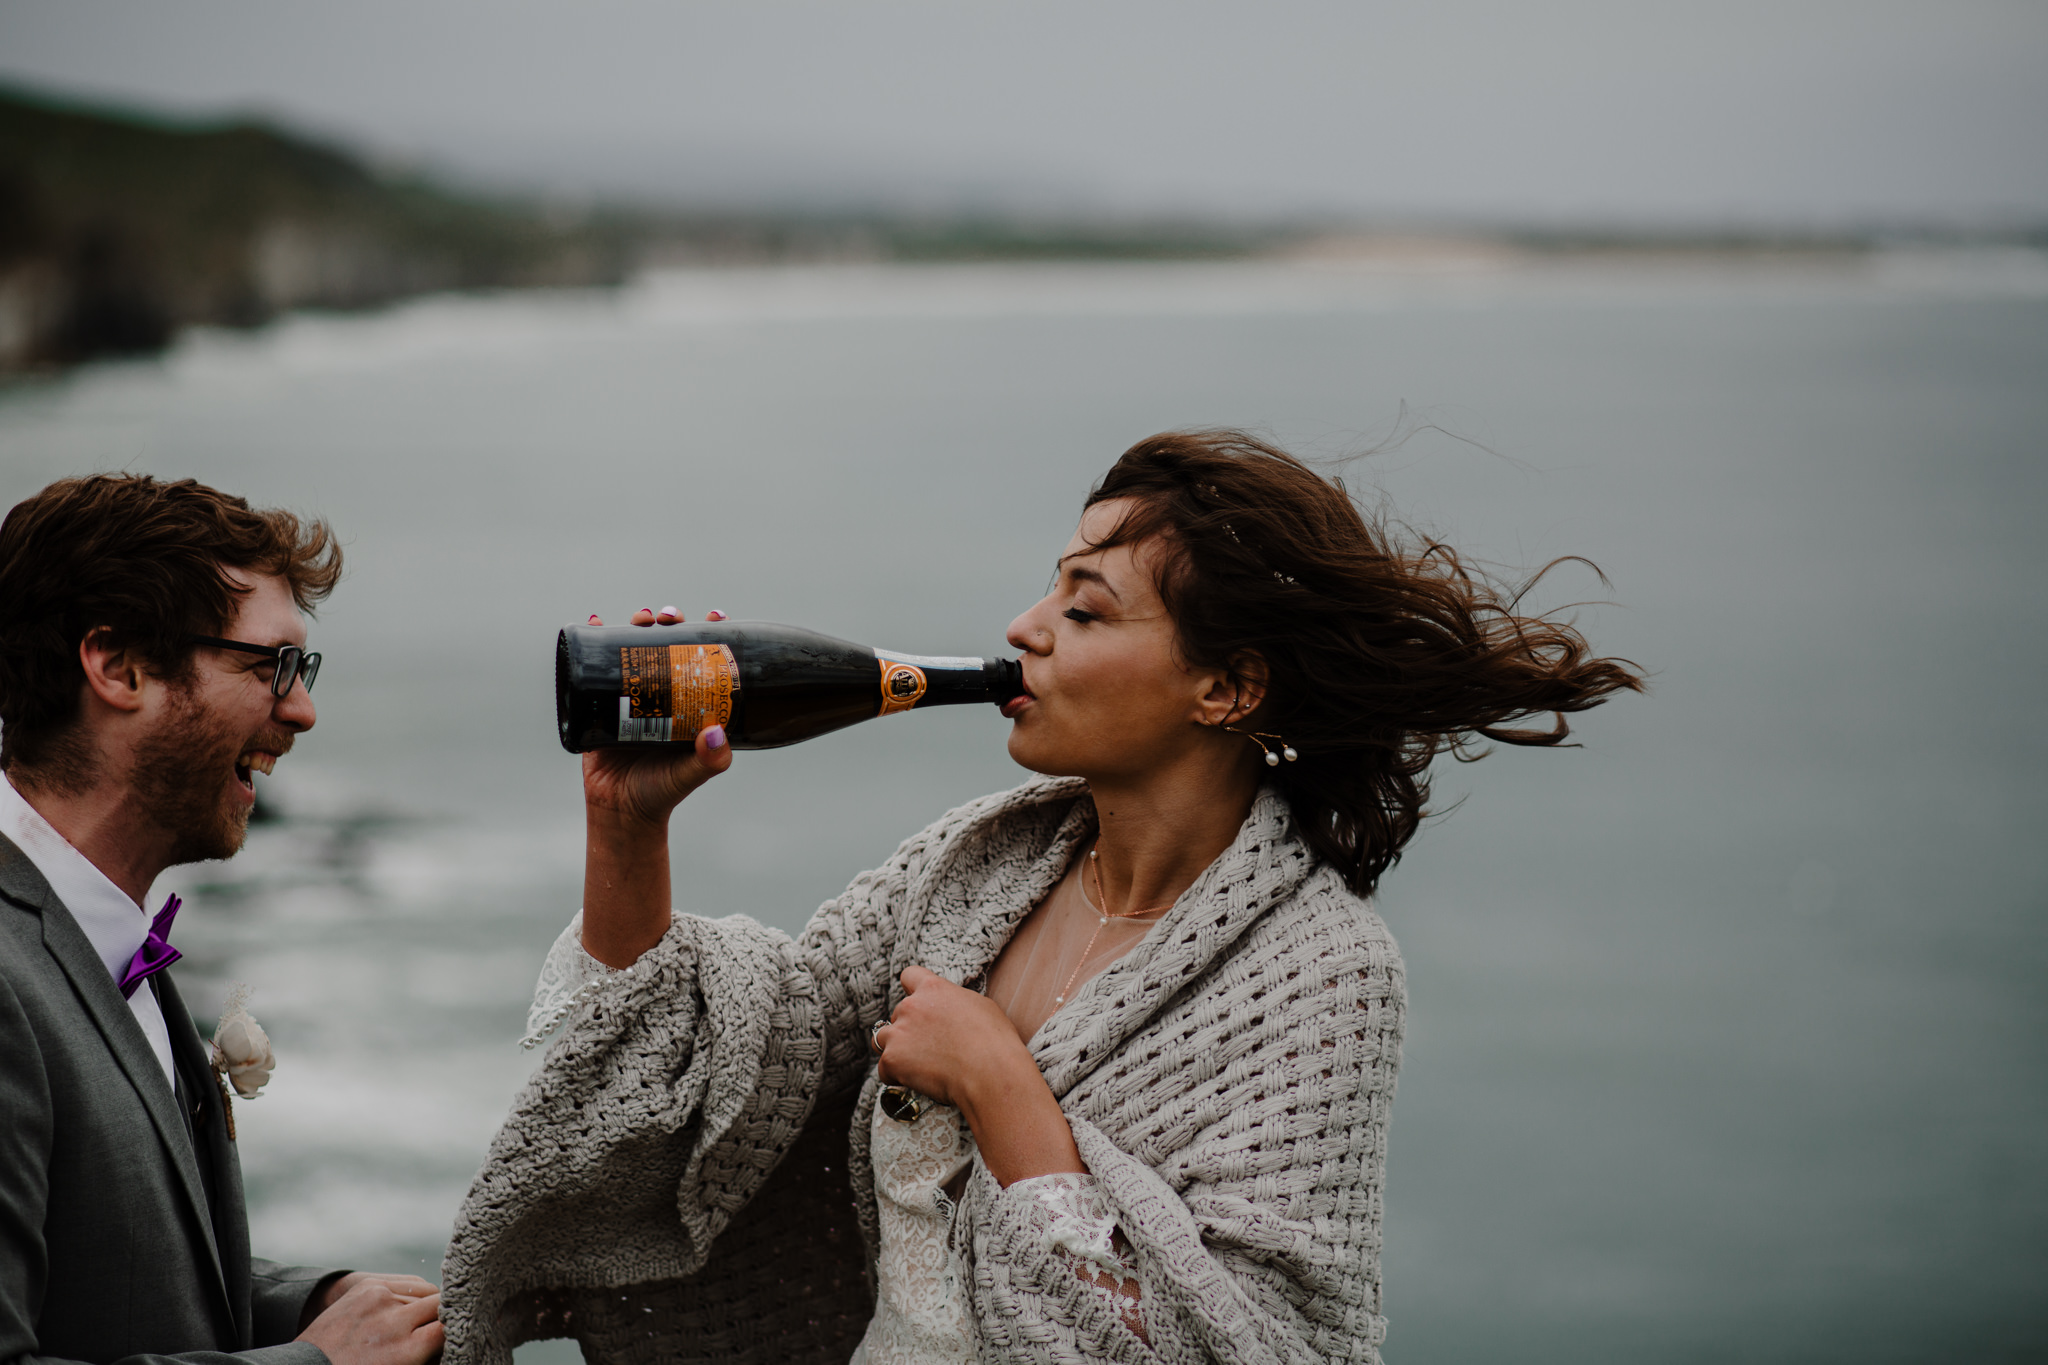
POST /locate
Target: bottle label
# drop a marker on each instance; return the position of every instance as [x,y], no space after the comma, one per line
[903,685]
[669,692]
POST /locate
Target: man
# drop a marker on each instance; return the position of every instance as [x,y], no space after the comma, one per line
[152,661]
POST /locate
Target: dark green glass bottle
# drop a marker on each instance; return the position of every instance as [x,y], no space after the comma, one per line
[767,684]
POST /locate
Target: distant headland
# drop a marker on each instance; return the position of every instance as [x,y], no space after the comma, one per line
[119,228]
[116,230]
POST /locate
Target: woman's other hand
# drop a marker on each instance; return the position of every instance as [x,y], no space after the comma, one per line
[628,796]
[943,1034]
[959,1048]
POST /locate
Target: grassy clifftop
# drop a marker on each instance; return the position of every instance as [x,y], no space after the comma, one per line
[117,229]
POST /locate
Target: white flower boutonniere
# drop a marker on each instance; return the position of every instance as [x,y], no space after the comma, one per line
[241,1053]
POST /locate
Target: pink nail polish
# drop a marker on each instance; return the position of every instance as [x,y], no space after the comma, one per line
[669,611]
[714,615]
[594,621]
[714,738]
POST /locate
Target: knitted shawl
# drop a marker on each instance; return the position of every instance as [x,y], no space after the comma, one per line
[686,1177]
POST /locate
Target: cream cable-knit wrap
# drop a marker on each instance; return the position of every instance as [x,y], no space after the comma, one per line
[686,1177]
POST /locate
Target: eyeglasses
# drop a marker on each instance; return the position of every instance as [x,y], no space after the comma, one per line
[292,661]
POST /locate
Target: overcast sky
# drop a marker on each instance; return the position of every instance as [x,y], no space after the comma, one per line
[1800,112]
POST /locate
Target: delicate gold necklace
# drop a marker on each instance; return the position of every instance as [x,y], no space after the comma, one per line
[1103,917]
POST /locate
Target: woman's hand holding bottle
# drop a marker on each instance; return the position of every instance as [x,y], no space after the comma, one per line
[628,795]
[646,784]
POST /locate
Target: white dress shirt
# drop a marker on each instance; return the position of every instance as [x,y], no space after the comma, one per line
[115,925]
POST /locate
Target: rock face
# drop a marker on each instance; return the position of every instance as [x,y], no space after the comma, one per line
[116,230]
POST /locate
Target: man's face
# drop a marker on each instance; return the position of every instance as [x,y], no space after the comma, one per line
[195,772]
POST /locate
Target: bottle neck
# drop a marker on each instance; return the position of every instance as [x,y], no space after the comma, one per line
[916,680]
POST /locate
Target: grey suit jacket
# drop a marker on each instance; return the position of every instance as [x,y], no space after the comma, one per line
[122,1231]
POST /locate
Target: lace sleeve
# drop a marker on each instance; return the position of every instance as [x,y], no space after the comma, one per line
[1076,1221]
[569,977]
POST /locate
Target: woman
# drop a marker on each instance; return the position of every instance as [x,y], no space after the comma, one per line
[1113,1052]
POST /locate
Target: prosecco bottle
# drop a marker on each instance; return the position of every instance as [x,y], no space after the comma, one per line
[767,684]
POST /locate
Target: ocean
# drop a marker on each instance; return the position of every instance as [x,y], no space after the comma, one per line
[1728,1031]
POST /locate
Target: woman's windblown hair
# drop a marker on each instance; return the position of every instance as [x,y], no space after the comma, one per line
[1378,655]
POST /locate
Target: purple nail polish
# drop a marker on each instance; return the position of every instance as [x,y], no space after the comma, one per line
[714,738]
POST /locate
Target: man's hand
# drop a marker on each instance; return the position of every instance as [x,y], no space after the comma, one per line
[408,1286]
[378,1320]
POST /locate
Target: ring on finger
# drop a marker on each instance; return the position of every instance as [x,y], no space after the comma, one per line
[874,1035]
[902,1104]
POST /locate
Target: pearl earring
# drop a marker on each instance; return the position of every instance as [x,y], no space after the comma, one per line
[1259,737]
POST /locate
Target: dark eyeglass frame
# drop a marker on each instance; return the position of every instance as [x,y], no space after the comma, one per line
[293,662]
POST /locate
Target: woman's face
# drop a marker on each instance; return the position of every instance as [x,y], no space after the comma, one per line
[1107,694]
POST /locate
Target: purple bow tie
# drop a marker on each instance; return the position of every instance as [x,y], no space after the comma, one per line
[156,952]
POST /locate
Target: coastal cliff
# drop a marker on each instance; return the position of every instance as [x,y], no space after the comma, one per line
[118,229]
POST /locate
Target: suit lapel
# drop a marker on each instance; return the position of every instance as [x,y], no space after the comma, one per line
[102,1002]
[230,1223]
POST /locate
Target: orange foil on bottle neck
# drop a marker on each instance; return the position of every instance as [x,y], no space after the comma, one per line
[902,686]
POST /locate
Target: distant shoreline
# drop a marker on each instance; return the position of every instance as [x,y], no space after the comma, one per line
[118,231]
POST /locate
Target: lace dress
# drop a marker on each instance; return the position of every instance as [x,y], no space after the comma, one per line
[921,1311]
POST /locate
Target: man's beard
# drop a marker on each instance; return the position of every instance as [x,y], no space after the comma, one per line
[181,779]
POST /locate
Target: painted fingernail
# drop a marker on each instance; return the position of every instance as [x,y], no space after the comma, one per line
[594,621]
[714,738]
[670,611]
[714,615]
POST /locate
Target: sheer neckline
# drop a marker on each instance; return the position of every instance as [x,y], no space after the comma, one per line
[1064,943]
